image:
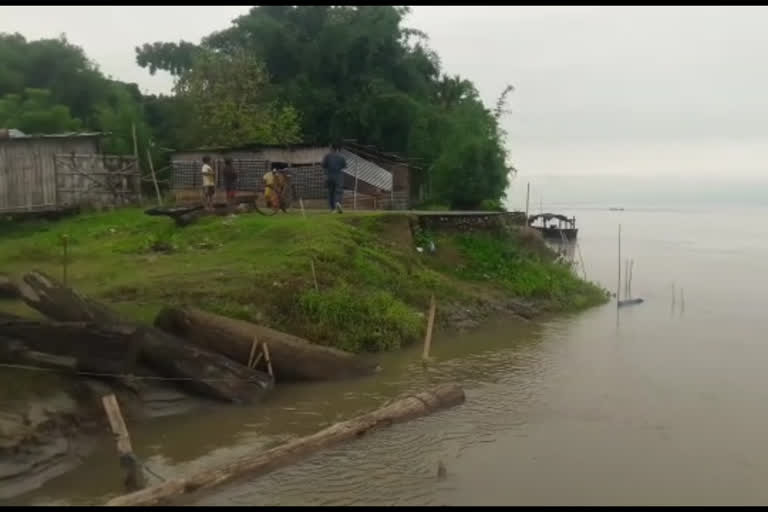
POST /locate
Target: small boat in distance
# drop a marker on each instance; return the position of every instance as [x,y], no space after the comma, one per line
[616,209]
[554,226]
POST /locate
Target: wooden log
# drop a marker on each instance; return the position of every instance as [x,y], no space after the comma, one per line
[8,289]
[198,370]
[134,474]
[93,347]
[43,293]
[293,358]
[259,463]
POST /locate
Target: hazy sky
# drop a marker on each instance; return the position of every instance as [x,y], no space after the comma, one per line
[600,90]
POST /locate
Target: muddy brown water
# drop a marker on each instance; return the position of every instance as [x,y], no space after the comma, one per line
[659,404]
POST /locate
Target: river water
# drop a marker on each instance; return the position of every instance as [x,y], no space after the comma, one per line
[660,403]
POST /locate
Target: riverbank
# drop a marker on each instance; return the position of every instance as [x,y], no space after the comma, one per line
[373,283]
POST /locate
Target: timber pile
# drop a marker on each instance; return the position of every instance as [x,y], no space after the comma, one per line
[293,358]
[259,463]
[90,333]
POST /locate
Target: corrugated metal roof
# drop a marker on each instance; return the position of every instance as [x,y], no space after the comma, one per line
[367,171]
[13,133]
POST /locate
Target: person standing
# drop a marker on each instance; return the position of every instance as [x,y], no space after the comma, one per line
[230,180]
[334,164]
[209,183]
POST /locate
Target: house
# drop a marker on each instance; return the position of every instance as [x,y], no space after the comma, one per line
[45,173]
[371,180]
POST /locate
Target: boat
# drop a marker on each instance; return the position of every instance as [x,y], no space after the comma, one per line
[554,226]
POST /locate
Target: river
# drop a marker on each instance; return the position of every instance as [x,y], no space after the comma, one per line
[659,403]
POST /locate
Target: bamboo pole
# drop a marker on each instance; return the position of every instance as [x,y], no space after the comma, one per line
[138,167]
[527,202]
[311,258]
[618,283]
[134,478]
[265,348]
[629,279]
[259,462]
[626,278]
[253,351]
[154,179]
[430,326]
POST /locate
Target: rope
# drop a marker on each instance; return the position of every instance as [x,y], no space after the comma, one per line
[115,375]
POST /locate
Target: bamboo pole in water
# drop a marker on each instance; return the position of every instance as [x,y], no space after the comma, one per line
[430,327]
[618,283]
[258,462]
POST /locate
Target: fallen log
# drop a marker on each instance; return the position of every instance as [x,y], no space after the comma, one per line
[421,404]
[293,358]
[90,347]
[8,289]
[59,302]
[201,371]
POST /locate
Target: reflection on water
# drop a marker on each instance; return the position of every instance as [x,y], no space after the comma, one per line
[665,408]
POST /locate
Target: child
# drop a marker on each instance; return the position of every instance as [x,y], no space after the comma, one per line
[209,183]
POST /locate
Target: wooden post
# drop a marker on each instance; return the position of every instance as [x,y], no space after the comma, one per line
[134,479]
[154,179]
[527,202]
[65,243]
[311,258]
[626,278]
[618,283]
[137,181]
[265,348]
[355,192]
[430,326]
[260,462]
[253,351]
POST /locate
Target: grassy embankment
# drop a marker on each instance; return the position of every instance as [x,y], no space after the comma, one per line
[373,284]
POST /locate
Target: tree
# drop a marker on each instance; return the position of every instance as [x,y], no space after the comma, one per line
[34,112]
[233,104]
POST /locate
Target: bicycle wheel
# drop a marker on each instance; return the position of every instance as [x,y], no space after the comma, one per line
[267,211]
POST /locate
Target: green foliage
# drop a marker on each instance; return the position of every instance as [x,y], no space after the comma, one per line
[372,321]
[525,270]
[34,112]
[230,97]
[373,287]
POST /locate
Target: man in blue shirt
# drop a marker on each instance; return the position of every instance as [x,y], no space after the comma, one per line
[334,164]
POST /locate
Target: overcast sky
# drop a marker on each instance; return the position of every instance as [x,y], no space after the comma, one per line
[600,90]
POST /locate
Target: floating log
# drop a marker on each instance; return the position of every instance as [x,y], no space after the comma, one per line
[201,371]
[258,463]
[293,358]
[629,302]
[87,347]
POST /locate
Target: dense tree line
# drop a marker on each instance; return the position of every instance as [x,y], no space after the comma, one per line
[278,75]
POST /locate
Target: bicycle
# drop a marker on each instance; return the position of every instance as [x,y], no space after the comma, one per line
[284,199]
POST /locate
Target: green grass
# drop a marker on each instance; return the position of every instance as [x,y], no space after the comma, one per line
[373,285]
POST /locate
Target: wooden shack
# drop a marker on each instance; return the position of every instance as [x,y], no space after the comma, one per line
[372,181]
[45,173]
